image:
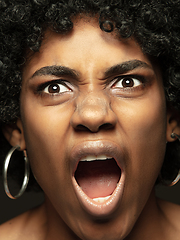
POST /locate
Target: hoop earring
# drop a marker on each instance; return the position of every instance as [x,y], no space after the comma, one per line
[174,135]
[5,169]
[175,180]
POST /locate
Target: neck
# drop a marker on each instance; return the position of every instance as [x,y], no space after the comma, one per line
[56,227]
[152,223]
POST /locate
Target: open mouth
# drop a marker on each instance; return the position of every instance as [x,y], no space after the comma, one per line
[98,176]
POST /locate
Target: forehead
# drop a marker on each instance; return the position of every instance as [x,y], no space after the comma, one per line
[84,47]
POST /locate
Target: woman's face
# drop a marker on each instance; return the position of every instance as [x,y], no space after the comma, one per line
[88,96]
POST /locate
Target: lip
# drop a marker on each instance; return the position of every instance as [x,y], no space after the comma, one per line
[99,147]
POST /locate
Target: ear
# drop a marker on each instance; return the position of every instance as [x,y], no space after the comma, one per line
[14,134]
[173,124]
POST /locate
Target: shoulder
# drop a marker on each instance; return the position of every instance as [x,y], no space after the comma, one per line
[171,214]
[28,225]
[14,228]
[170,209]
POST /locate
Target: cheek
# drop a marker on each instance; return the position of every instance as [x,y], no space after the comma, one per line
[143,120]
[147,142]
[46,130]
[143,128]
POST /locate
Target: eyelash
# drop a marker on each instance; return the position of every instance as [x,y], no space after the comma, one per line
[136,78]
[42,87]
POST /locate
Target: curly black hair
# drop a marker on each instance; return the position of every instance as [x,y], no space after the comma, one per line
[155,24]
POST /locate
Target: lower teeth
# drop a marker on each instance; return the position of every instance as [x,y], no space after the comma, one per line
[101,199]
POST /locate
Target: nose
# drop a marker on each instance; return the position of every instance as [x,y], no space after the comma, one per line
[93,112]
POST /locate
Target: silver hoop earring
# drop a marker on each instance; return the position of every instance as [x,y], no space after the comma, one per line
[5,169]
[175,180]
[174,135]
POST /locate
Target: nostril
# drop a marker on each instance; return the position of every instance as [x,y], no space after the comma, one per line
[106,126]
[81,127]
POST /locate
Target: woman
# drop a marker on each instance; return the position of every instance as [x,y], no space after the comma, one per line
[90,94]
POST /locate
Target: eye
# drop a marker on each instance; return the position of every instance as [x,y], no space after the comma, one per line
[56,88]
[127,82]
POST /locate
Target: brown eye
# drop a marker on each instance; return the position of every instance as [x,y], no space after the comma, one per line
[56,88]
[127,82]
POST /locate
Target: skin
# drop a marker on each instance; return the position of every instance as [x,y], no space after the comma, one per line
[95,110]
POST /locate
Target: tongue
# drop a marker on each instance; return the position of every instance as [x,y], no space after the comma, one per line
[98,178]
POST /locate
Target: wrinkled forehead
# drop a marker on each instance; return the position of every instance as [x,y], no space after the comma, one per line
[84,43]
[86,32]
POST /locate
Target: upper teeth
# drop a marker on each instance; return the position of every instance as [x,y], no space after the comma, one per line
[93,158]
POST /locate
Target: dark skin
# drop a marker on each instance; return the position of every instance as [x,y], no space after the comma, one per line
[87,93]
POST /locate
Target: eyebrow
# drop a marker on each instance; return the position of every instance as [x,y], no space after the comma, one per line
[59,71]
[56,70]
[126,67]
